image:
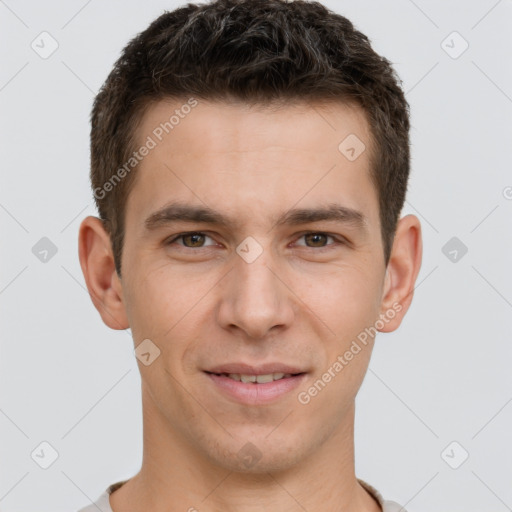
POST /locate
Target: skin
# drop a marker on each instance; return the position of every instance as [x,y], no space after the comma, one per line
[302,302]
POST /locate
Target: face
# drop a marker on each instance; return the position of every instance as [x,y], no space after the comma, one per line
[253,251]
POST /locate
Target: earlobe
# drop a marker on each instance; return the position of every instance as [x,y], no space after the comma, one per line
[401,273]
[97,262]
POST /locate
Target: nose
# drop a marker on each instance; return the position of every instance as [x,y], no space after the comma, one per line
[255,298]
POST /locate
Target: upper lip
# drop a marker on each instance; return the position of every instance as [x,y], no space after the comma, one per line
[247,369]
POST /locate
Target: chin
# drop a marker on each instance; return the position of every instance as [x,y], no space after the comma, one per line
[258,454]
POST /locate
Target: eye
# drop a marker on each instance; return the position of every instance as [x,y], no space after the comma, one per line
[317,239]
[191,240]
[197,240]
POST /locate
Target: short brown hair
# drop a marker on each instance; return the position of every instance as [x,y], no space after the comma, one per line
[256,51]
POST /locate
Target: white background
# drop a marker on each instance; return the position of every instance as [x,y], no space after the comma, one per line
[444,376]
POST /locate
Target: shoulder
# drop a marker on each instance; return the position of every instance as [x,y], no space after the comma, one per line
[387,505]
[102,503]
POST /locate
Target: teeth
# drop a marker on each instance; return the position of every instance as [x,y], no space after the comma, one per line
[260,379]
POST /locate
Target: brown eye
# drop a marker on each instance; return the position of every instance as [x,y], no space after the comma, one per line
[316,239]
[191,240]
[196,240]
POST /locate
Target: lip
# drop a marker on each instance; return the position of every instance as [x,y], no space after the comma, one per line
[247,369]
[250,393]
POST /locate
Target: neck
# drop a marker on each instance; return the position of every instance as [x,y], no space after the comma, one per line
[175,477]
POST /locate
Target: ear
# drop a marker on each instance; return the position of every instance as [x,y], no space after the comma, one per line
[401,273]
[103,283]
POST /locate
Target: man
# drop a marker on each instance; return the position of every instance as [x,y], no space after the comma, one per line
[249,161]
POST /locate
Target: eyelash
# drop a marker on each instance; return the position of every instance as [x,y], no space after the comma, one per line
[337,240]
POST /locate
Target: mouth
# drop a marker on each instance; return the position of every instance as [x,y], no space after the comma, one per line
[256,379]
[255,385]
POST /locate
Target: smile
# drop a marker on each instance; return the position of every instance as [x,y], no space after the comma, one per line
[260,379]
[251,389]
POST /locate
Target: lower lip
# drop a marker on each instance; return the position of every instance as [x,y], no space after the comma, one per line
[254,393]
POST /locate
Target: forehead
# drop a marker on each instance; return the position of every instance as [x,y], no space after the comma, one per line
[226,126]
[232,155]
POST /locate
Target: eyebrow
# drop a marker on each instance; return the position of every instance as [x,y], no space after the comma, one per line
[179,212]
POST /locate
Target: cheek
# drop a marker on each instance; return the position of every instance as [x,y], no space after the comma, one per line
[154,302]
[167,308]
[348,310]
[345,297]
